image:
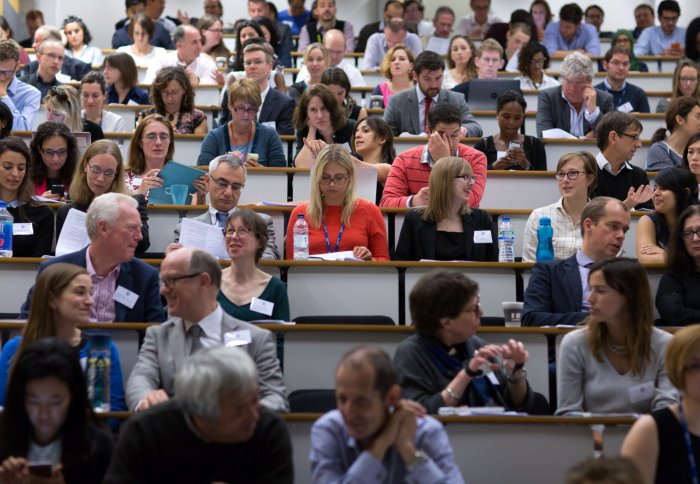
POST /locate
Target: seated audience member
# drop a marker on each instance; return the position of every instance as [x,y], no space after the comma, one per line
[407,182]
[212,30]
[243,285]
[141,30]
[682,121]
[397,442]
[576,177]
[460,62]
[595,16]
[569,34]
[685,83]
[62,105]
[397,68]
[691,156]
[666,38]
[373,143]
[78,42]
[617,470]
[334,41]
[5,121]
[6,33]
[319,121]
[407,111]
[558,291]
[70,68]
[122,80]
[224,183]
[243,133]
[280,42]
[576,106]
[439,40]
[614,364]
[316,60]
[101,170]
[446,228]
[114,227]
[509,149]
[625,39]
[675,190]
[676,298]
[322,20]
[337,81]
[246,30]
[33,20]
[657,443]
[533,61]
[49,58]
[62,301]
[643,18]
[394,34]
[93,93]
[475,26]
[618,138]
[172,97]
[190,281]
[441,365]
[124,36]
[21,99]
[541,16]
[54,154]
[296,16]
[499,31]
[692,40]
[200,68]
[517,37]
[338,220]
[392,9]
[152,146]
[626,96]
[414,17]
[17,191]
[214,431]
[73,442]
[488,60]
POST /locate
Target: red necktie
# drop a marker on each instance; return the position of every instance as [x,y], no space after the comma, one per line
[428,101]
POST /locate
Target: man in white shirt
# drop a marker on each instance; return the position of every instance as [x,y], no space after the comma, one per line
[200,68]
[334,40]
[475,26]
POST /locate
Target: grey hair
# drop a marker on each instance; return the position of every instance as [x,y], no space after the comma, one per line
[203,262]
[210,374]
[49,32]
[230,159]
[575,65]
[106,208]
[180,31]
[48,41]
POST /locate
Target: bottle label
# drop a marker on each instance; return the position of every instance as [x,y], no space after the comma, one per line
[5,235]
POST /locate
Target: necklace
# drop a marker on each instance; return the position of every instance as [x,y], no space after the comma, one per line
[618,350]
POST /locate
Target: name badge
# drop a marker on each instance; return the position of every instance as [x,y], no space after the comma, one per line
[22,229]
[237,338]
[641,393]
[126,297]
[482,237]
[261,306]
[494,379]
[625,108]
[270,124]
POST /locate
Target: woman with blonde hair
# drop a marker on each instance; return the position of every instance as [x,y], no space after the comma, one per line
[686,82]
[63,106]
[397,67]
[316,60]
[339,220]
[447,229]
[460,62]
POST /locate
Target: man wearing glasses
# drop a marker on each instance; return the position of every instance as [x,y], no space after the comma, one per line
[665,39]
[49,56]
[394,34]
[21,98]
[627,97]
[189,281]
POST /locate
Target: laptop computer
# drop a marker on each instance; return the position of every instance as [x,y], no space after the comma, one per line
[483,93]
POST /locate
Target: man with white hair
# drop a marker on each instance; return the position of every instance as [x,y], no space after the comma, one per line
[214,430]
[125,289]
[334,40]
[576,106]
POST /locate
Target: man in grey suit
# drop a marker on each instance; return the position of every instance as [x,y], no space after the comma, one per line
[190,280]
[224,183]
[407,110]
[576,106]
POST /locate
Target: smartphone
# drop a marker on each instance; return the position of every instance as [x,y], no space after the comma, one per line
[40,469]
[513,144]
[676,45]
[58,190]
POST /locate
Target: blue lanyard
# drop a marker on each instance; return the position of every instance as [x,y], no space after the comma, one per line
[688,445]
[622,93]
[328,242]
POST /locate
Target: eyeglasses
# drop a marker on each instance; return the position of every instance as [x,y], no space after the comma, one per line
[476,310]
[169,282]
[688,79]
[224,184]
[97,171]
[571,175]
[467,178]
[245,110]
[240,232]
[175,93]
[337,179]
[49,153]
[8,73]
[635,137]
[153,137]
[690,234]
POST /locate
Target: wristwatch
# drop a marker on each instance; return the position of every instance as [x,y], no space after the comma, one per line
[419,458]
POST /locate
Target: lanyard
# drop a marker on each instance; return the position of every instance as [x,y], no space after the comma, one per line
[688,445]
[234,145]
[621,93]
[328,242]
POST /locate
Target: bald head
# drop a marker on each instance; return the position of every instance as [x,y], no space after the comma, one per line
[334,40]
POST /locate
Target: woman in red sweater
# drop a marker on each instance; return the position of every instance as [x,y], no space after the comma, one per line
[339,220]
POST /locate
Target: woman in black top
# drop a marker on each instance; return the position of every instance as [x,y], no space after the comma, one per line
[54,154]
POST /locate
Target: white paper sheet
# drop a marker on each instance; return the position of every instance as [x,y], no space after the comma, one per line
[74,234]
[203,236]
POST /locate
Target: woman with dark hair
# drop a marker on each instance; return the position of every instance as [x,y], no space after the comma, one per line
[93,93]
[509,149]
[682,120]
[212,30]
[460,62]
[122,80]
[172,96]
[63,106]
[614,364]
[541,16]
[54,154]
[686,82]
[7,33]
[6,120]
[248,29]
[319,121]
[397,68]
[245,236]
[283,51]
[17,191]
[691,156]
[675,190]
[692,40]
[517,37]
[141,30]
[48,418]
[78,42]
[533,61]
[444,364]
[337,81]
[152,146]
[372,143]
[625,39]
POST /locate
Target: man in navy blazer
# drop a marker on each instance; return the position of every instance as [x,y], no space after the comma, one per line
[125,289]
[558,290]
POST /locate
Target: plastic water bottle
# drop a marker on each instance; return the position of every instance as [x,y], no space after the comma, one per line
[6,221]
[98,371]
[545,249]
[506,241]
[301,238]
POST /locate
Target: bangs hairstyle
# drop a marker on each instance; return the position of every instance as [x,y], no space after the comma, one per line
[160,84]
[629,278]
[126,66]
[25,191]
[80,192]
[66,100]
[145,22]
[331,154]
[683,348]
[382,131]
[254,222]
[441,188]
[137,161]
[330,102]
[470,69]
[244,90]
[590,167]
[678,258]
[385,66]
[37,168]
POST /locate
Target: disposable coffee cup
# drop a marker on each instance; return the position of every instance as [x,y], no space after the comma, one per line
[512,312]
[221,61]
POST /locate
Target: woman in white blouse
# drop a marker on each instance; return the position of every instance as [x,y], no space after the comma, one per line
[533,61]
[141,30]
[78,38]
[93,93]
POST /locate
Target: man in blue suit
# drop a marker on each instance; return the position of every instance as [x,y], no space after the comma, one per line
[125,289]
[558,290]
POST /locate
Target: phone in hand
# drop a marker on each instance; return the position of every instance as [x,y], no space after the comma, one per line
[676,45]
[513,144]
[58,190]
[40,469]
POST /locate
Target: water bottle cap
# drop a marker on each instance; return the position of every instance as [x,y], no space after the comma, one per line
[99,339]
[3,204]
[505,219]
[545,221]
[300,216]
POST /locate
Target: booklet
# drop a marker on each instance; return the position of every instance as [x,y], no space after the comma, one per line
[74,234]
[203,236]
